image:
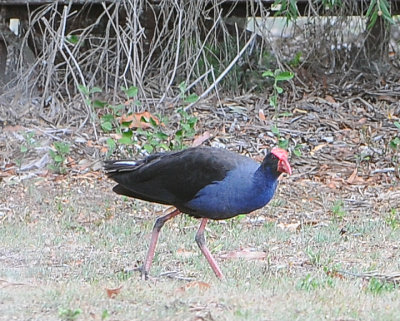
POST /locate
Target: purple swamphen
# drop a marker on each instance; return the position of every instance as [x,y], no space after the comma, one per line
[203,182]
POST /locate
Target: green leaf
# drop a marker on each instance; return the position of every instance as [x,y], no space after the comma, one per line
[117,108]
[371,7]
[58,158]
[279,89]
[52,153]
[128,134]
[106,126]
[84,90]
[62,148]
[153,122]
[130,92]
[148,148]
[164,146]
[283,143]
[161,136]
[111,145]
[125,141]
[273,101]
[297,151]
[191,98]
[268,73]
[126,124]
[372,20]
[179,133]
[107,117]
[284,75]
[126,138]
[384,6]
[397,124]
[95,90]
[275,130]
[23,149]
[99,104]
[395,143]
[182,88]
[73,39]
[105,314]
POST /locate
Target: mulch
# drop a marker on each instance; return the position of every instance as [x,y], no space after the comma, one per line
[342,141]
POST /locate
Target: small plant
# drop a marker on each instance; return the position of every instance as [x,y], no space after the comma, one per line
[105,314]
[145,131]
[395,142]
[393,219]
[378,8]
[309,283]
[29,141]
[287,9]
[295,62]
[59,156]
[376,286]
[28,144]
[278,76]
[338,209]
[282,142]
[69,314]
[297,150]
[187,99]
[314,257]
[186,128]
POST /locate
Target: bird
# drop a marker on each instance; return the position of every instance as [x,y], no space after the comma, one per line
[203,182]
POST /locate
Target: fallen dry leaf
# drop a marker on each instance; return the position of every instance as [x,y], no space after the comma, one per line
[185,253]
[246,254]
[300,111]
[335,274]
[200,139]
[352,177]
[11,129]
[317,148]
[112,293]
[292,227]
[135,120]
[195,284]
[330,99]
[261,114]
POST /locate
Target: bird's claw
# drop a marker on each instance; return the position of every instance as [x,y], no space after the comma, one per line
[144,273]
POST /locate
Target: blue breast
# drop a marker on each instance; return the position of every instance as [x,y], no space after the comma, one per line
[242,191]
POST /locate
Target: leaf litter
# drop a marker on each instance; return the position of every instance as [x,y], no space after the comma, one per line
[345,154]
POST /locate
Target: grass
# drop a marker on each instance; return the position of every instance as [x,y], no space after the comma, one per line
[69,245]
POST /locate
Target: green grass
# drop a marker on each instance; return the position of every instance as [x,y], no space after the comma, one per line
[62,248]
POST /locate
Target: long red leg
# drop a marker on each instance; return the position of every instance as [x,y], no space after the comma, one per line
[154,238]
[201,242]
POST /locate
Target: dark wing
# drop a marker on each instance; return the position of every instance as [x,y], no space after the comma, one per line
[172,178]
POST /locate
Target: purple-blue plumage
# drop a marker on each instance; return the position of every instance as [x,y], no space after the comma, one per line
[204,182]
[243,190]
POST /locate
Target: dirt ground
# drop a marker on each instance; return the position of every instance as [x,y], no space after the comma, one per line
[66,239]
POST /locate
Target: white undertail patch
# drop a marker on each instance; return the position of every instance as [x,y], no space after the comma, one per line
[126,163]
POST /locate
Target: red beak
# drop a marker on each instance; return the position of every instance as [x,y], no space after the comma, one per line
[283,164]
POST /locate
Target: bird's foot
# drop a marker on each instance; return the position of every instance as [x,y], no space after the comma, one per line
[144,273]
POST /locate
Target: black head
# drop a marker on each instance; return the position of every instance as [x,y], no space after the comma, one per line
[277,161]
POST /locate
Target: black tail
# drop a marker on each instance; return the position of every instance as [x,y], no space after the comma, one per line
[117,166]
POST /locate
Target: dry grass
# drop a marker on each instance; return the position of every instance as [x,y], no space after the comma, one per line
[63,245]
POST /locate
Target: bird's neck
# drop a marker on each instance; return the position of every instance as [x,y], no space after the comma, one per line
[266,174]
